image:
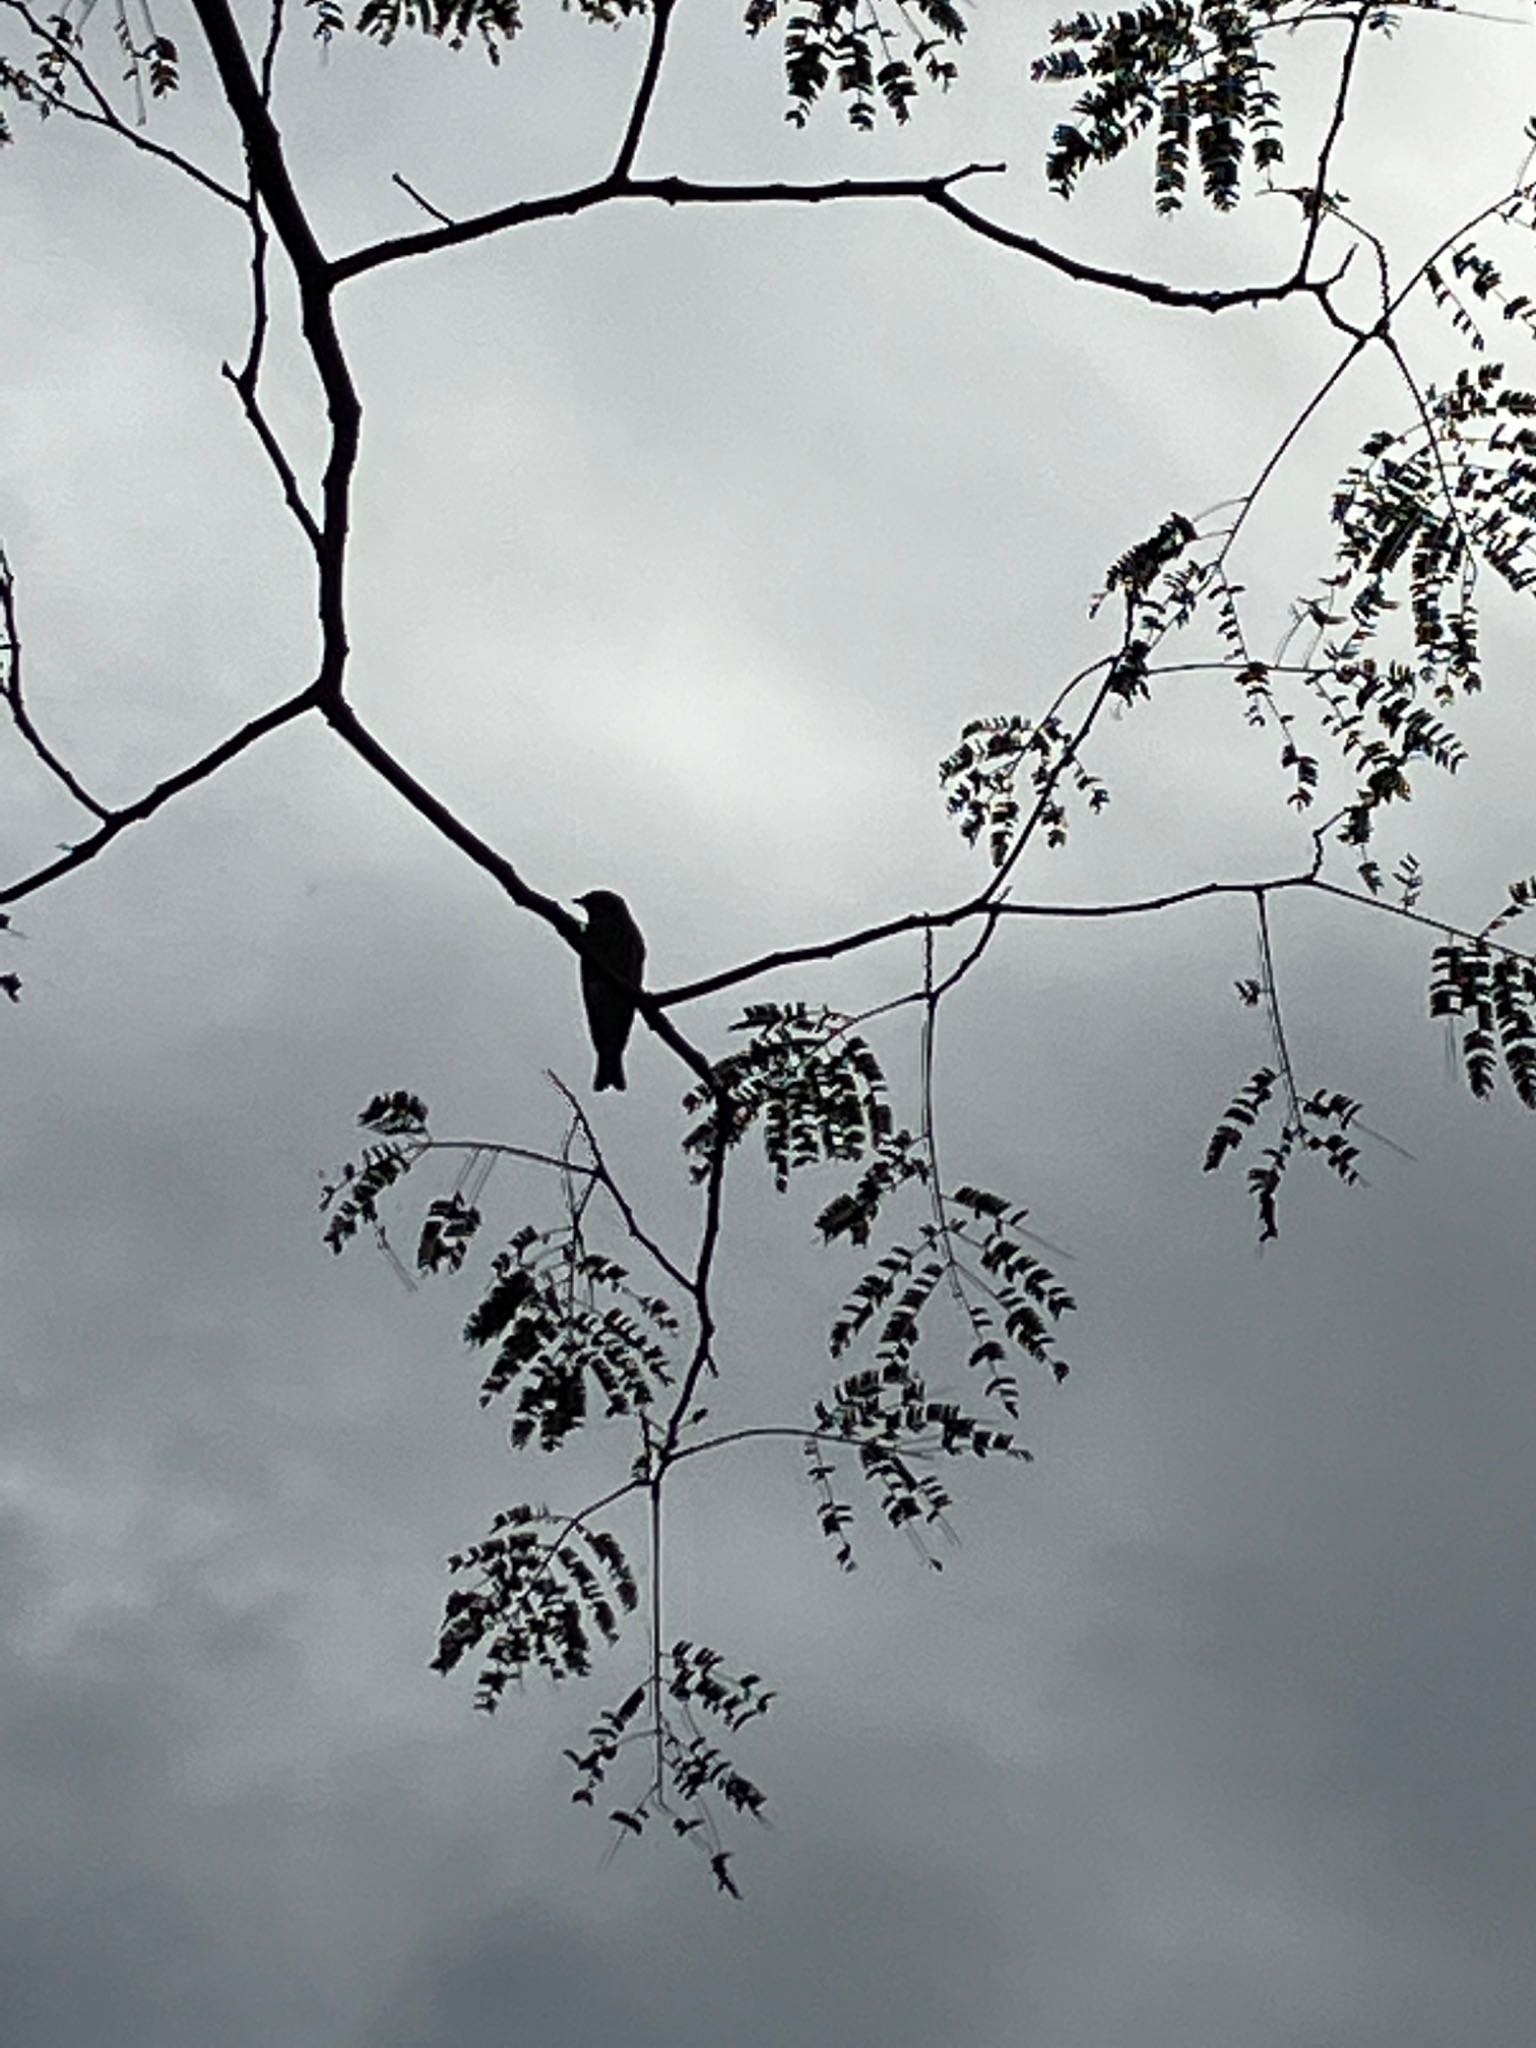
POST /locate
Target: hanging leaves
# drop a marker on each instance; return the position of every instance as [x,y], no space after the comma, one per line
[984,773]
[1319,1125]
[1493,994]
[1190,71]
[566,1322]
[535,1600]
[886,1412]
[815,1087]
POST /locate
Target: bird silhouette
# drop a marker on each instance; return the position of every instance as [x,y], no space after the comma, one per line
[619,948]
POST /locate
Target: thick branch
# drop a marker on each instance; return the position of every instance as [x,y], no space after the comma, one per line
[258,130]
[934,191]
[274,188]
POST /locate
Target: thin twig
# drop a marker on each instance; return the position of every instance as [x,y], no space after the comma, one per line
[102,114]
[425,204]
[1272,1004]
[11,690]
[118,821]
[1314,212]
[602,1174]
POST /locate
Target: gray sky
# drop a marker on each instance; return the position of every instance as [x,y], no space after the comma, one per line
[685,544]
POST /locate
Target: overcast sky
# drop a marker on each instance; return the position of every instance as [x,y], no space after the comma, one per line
[686,542]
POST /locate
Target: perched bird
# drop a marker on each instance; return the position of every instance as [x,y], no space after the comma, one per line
[618,945]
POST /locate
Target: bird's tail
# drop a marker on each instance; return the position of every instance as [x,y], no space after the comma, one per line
[610,1070]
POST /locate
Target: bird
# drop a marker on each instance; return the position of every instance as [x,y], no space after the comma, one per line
[618,948]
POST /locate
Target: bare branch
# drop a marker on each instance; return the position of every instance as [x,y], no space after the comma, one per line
[656,50]
[936,191]
[273,187]
[11,690]
[244,381]
[117,821]
[425,204]
[1272,1005]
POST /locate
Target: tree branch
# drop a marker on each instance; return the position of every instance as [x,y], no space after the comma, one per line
[350,729]
[104,115]
[936,191]
[118,821]
[656,50]
[312,273]
[603,1175]
[1314,210]
[11,690]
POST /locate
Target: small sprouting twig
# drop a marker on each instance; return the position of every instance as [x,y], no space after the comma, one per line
[602,1175]
[425,204]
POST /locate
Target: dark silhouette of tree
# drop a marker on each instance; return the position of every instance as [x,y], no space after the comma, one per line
[1360,695]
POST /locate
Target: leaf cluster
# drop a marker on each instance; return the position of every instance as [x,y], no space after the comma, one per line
[1426,504]
[1382,729]
[1318,1125]
[1469,287]
[1001,1284]
[1417,514]
[1005,1295]
[1493,994]
[874,54]
[995,756]
[541,1599]
[562,1316]
[353,1198]
[1190,69]
[691,1768]
[808,1078]
[152,63]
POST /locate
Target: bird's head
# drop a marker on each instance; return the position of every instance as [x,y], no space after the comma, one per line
[602,905]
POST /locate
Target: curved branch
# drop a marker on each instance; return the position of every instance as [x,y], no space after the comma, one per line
[661,21]
[350,729]
[118,821]
[980,907]
[937,191]
[11,690]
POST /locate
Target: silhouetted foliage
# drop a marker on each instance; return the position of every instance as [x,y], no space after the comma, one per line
[1359,691]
